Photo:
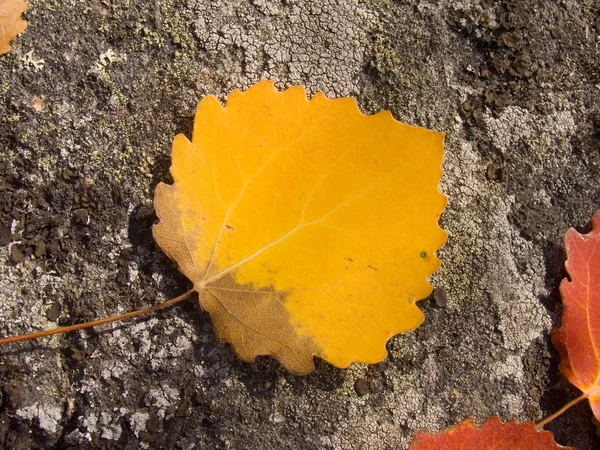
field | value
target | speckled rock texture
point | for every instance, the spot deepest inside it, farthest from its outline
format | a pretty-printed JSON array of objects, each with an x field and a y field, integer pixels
[{"x": 90, "y": 98}]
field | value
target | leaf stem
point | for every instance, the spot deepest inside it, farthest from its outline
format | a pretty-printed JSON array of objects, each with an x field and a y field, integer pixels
[
  {"x": 573, "y": 402},
  {"x": 94, "y": 323}
]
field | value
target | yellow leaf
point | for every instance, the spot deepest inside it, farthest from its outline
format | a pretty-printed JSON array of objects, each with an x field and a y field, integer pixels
[
  {"x": 11, "y": 23},
  {"x": 306, "y": 227}
]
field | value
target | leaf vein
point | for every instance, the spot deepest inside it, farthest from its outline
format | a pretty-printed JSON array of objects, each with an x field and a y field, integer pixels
[
  {"x": 207, "y": 281},
  {"x": 246, "y": 326}
]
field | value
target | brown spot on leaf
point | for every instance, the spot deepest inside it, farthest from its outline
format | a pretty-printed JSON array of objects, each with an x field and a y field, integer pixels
[{"x": 257, "y": 315}]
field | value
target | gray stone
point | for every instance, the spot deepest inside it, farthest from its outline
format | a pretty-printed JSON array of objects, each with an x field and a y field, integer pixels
[{"x": 516, "y": 87}]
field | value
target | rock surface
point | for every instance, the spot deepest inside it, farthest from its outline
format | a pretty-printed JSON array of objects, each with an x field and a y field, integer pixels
[{"x": 90, "y": 98}]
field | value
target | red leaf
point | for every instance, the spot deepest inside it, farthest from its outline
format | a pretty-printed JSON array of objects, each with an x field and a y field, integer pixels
[
  {"x": 491, "y": 435},
  {"x": 578, "y": 340}
]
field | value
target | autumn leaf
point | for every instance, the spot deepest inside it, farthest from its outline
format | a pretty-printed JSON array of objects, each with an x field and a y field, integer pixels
[
  {"x": 491, "y": 435},
  {"x": 11, "y": 23},
  {"x": 578, "y": 340},
  {"x": 306, "y": 227}
]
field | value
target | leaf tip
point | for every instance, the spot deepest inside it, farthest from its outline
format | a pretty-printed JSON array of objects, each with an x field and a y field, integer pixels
[{"x": 11, "y": 23}]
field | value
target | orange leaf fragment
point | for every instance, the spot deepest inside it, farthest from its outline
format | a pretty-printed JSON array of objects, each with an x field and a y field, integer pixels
[
  {"x": 307, "y": 227},
  {"x": 11, "y": 23},
  {"x": 578, "y": 339},
  {"x": 493, "y": 434}
]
